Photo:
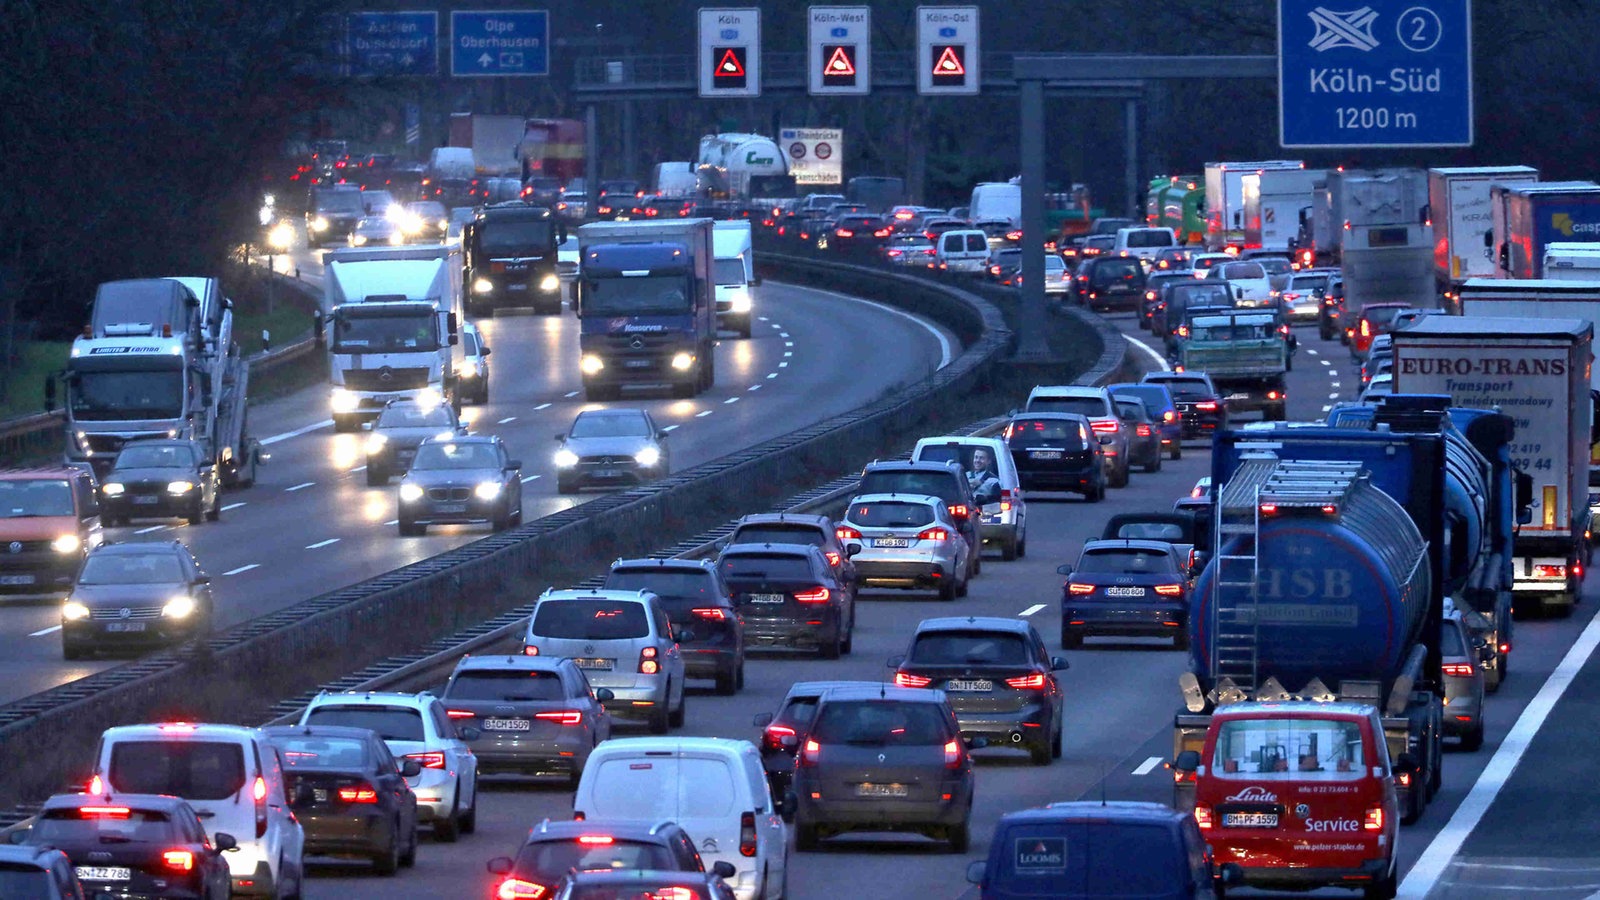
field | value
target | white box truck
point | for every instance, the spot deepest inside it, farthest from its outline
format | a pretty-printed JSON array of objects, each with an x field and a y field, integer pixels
[
  {"x": 1225, "y": 199},
  {"x": 1274, "y": 202},
  {"x": 1459, "y": 208},
  {"x": 734, "y": 269}
]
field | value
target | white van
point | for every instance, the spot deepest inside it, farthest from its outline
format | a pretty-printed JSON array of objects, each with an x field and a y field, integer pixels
[
  {"x": 233, "y": 778},
  {"x": 674, "y": 179},
  {"x": 1144, "y": 241},
  {"x": 996, "y": 200},
  {"x": 714, "y": 787},
  {"x": 962, "y": 250},
  {"x": 1005, "y": 514},
  {"x": 451, "y": 162},
  {"x": 734, "y": 270},
  {"x": 1572, "y": 261}
]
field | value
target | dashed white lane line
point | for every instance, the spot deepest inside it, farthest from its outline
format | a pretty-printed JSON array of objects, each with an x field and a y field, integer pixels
[
  {"x": 788, "y": 343},
  {"x": 242, "y": 569},
  {"x": 1325, "y": 362},
  {"x": 320, "y": 544},
  {"x": 506, "y": 419},
  {"x": 1335, "y": 384},
  {"x": 946, "y": 353},
  {"x": 1333, "y": 396},
  {"x": 392, "y": 522},
  {"x": 541, "y": 406},
  {"x": 295, "y": 433},
  {"x": 358, "y": 469},
  {"x": 783, "y": 365},
  {"x": 44, "y": 631},
  {"x": 703, "y": 413},
  {"x": 669, "y": 428},
  {"x": 527, "y": 478},
  {"x": 772, "y": 374},
  {"x": 761, "y": 318},
  {"x": 299, "y": 487},
  {"x": 150, "y": 529},
  {"x": 754, "y": 387},
  {"x": 1160, "y": 360},
  {"x": 1436, "y": 858},
  {"x": 1313, "y": 351},
  {"x": 570, "y": 394},
  {"x": 1037, "y": 607},
  {"x": 784, "y": 334},
  {"x": 730, "y": 400},
  {"x": 1327, "y": 408},
  {"x": 233, "y": 506},
  {"x": 1148, "y": 766}
]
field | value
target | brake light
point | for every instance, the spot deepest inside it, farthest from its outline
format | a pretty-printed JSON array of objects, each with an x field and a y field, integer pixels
[
  {"x": 561, "y": 716},
  {"x": 1077, "y": 589},
  {"x": 432, "y": 759},
  {"x": 110, "y": 812},
  {"x": 178, "y": 860},
  {"x": 846, "y": 533},
  {"x": 96, "y": 786},
  {"x": 952, "y": 754},
  {"x": 1504, "y": 648},
  {"x": 713, "y": 613},
  {"x": 1183, "y": 331},
  {"x": 178, "y": 728},
  {"x": 1013, "y": 235},
  {"x": 647, "y": 662},
  {"x": 1168, "y": 416},
  {"x": 460, "y": 713},
  {"x": 833, "y": 557},
  {"x": 959, "y": 510},
  {"x": 1458, "y": 670},
  {"x": 883, "y": 232},
  {"x": 1374, "y": 819},
  {"x": 1027, "y": 682},
  {"x": 1550, "y": 571},
  {"x": 1143, "y": 430},
  {"x": 596, "y": 840},
  {"x": 676, "y": 893},
  {"x": 1202, "y": 817},
  {"x": 1366, "y": 328},
  {"x": 747, "y": 834},
  {"x": 1274, "y": 395},
  {"x": 933, "y": 534},
  {"x": 530, "y": 651},
  {"x": 815, "y": 595},
  {"x": 360, "y": 793},
  {"x": 517, "y": 889},
  {"x": 259, "y": 791},
  {"x": 809, "y": 753},
  {"x": 1169, "y": 590},
  {"x": 775, "y": 734},
  {"x": 1206, "y": 406},
  {"x": 1268, "y": 509},
  {"x": 843, "y": 232},
  {"x": 908, "y": 680}
]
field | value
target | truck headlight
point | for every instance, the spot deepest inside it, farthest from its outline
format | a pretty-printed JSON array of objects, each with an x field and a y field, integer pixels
[
  {"x": 179, "y": 607},
  {"x": 741, "y": 301},
  {"x": 67, "y": 543},
  {"x": 467, "y": 372},
  {"x": 410, "y": 493},
  {"x": 319, "y": 224},
  {"x": 682, "y": 361},
  {"x": 376, "y": 442},
  {"x": 343, "y": 401},
  {"x": 647, "y": 457},
  {"x": 72, "y": 611},
  {"x": 591, "y": 364},
  {"x": 566, "y": 459},
  {"x": 487, "y": 490},
  {"x": 112, "y": 489},
  {"x": 428, "y": 397},
  {"x": 482, "y": 286},
  {"x": 179, "y": 487},
  {"x": 550, "y": 283}
]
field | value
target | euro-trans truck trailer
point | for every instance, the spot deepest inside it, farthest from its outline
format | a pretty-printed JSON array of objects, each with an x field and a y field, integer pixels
[
  {"x": 1320, "y": 587},
  {"x": 646, "y": 306},
  {"x": 1225, "y": 199},
  {"x": 1459, "y": 209},
  {"x": 1537, "y": 372}
]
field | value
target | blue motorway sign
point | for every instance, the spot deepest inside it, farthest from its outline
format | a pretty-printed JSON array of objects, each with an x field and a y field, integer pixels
[
  {"x": 1375, "y": 73},
  {"x": 392, "y": 43},
  {"x": 500, "y": 42}
]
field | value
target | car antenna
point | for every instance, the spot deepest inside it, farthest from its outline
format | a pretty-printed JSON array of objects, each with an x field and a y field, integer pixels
[{"x": 1103, "y": 780}]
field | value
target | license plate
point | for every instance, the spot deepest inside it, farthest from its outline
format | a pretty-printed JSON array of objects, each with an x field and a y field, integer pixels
[
  {"x": 1044, "y": 454},
  {"x": 881, "y": 790},
  {"x": 145, "y": 501},
  {"x": 973, "y": 685},
  {"x": 768, "y": 598},
  {"x": 891, "y": 542},
  {"x": 608, "y": 473},
  {"x": 506, "y": 724},
  {"x": 319, "y": 795},
  {"x": 603, "y": 665},
  {"x": 104, "y": 873},
  {"x": 636, "y": 363},
  {"x": 125, "y": 626},
  {"x": 1250, "y": 820},
  {"x": 450, "y": 508},
  {"x": 1124, "y": 592},
  {"x": 517, "y": 287},
  {"x": 16, "y": 579}
]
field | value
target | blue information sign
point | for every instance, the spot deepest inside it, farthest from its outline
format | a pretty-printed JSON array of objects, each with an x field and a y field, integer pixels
[
  {"x": 500, "y": 42},
  {"x": 1375, "y": 73},
  {"x": 392, "y": 43}
]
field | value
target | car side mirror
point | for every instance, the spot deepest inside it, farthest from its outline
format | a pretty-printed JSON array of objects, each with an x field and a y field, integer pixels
[
  {"x": 762, "y": 720},
  {"x": 1064, "y": 570},
  {"x": 513, "y": 464},
  {"x": 410, "y": 768},
  {"x": 561, "y": 437},
  {"x": 484, "y": 351},
  {"x": 896, "y": 662},
  {"x": 266, "y": 339},
  {"x": 1187, "y": 761},
  {"x": 468, "y": 733},
  {"x": 605, "y": 695},
  {"x": 662, "y": 435},
  {"x": 975, "y": 871},
  {"x": 500, "y": 865},
  {"x": 723, "y": 869},
  {"x": 224, "y": 842},
  {"x": 788, "y": 804},
  {"x": 1058, "y": 663},
  {"x": 852, "y": 549}
]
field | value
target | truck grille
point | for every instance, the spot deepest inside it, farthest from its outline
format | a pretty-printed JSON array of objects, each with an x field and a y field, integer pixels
[
  {"x": 653, "y": 342},
  {"x": 385, "y": 379}
]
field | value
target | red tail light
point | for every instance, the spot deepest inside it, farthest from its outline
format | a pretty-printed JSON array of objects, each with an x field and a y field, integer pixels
[
  {"x": 259, "y": 792},
  {"x": 1202, "y": 817},
  {"x": 96, "y": 786},
  {"x": 105, "y": 812},
  {"x": 1206, "y": 406},
  {"x": 561, "y": 716},
  {"x": 1549, "y": 571},
  {"x": 1143, "y": 430},
  {"x": 1169, "y": 416},
  {"x": 747, "y": 834},
  {"x": 843, "y": 232},
  {"x": 883, "y": 232},
  {"x": 1013, "y": 235},
  {"x": 846, "y": 533},
  {"x": 907, "y": 680},
  {"x": 1458, "y": 670},
  {"x": 1027, "y": 682},
  {"x": 530, "y": 651},
  {"x": 517, "y": 889},
  {"x": 460, "y": 713},
  {"x": 648, "y": 665},
  {"x": 713, "y": 613},
  {"x": 774, "y": 735},
  {"x": 432, "y": 759},
  {"x": 815, "y": 595},
  {"x": 596, "y": 840},
  {"x": 1373, "y": 821},
  {"x": 1077, "y": 589},
  {"x": 1104, "y": 426},
  {"x": 952, "y": 754},
  {"x": 1504, "y": 648},
  {"x": 959, "y": 510},
  {"x": 833, "y": 557},
  {"x": 1169, "y": 590},
  {"x": 933, "y": 534},
  {"x": 178, "y": 860},
  {"x": 1183, "y": 331},
  {"x": 809, "y": 754},
  {"x": 358, "y": 793},
  {"x": 1366, "y": 328}
]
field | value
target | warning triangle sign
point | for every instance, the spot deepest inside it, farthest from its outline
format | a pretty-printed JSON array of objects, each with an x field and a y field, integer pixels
[
  {"x": 949, "y": 63},
  {"x": 840, "y": 63},
  {"x": 730, "y": 65}
]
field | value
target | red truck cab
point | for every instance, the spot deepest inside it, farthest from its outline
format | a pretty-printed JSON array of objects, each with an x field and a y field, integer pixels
[{"x": 1297, "y": 795}]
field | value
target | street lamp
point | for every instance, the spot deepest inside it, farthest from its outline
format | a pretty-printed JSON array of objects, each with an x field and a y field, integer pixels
[{"x": 279, "y": 240}]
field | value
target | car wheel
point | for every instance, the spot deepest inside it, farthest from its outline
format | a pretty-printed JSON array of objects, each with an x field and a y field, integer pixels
[
  {"x": 196, "y": 515},
  {"x": 565, "y": 487},
  {"x": 744, "y": 331},
  {"x": 1022, "y": 546},
  {"x": 977, "y": 562},
  {"x": 1008, "y": 550},
  {"x": 728, "y": 682},
  {"x": 408, "y": 858},
  {"x": 676, "y": 718},
  {"x": 1071, "y": 640},
  {"x": 660, "y": 720},
  {"x": 387, "y": 862},
  {"x": 947, "y": 590},
  {"x": 469, "y": 819},
  {"x": 215, "y": 512},
  {"x": 1122, "y": 477},
  {"x": 1180, "y": 641},
  {"x": 1384, "y": 888},
  {"x": 501, "y": 522},
  {"x": 1041, "y": 753},
  {"x": 964, "y": 588},
  {"x": 805, "y": 837},
  {"x": 960, "y": 837},
  {"x": 1055, "y": 742},
  {"x": 833, "y": 648},
  {"x": 447, "y": 830},
  {"x": 848, "y": 645},
  {"x": 1473, "y": 740},
  {"x": 1177, "y": 450},
  {"x": 1098, "y": 493},
  {"x": 1155, "y": 463},
  {"x": 376, "y": 477},
  {"x": 72, "y": 651}
]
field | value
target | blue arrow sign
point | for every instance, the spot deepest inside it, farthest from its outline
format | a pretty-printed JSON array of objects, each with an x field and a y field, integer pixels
[
  {"x": 500, "y": 42},
  {"x": 1375, "y": 73},
  {"x": 392, "y": 43}
]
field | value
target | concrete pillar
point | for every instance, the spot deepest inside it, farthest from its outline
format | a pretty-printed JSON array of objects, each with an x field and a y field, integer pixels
[{"x": 1032, "y": 344}]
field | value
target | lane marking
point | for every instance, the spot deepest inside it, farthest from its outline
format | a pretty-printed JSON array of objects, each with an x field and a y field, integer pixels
[
  {"x": 392, "y": 522},
  {"x": 358, "y": 469},
  {"x": 233, "y": 506},
  {"x": 242, "y": 569},
  {"x": 669, "y": 428},
  {"x": 784, "y": 334},
  {"x": 1327, "y": 408},
  {"x": 945, "y": 352},
  {"x": 150, "y": 529},
  {"x": 788, "y": 353},
  {"x": 1313, "y": 351},
  {"x": 571, "y": 394},
  {"x": 44, "y": 631},
  {"x": 1037, "y": 607},
  {"x": 541, "y": 406},
  {"x": 730, "y": 400},
  {"x": 1436, "y": 858},
  {"x": 703, "y": 413},
  {"x": 1160, "y": 360},
  {"x": 528, "y": 478},
  {"x": 772, "y": 374},
  {"x": 295, "y": 433},
  {"x": 754, "y": 387},
  {"x": 1148, "y": 766},
  {"x": 1335, "y": 384},
  {"x": 788, "y": 343},
  {"x": 299, "y": 487},
  {"x": 321, "y": 544},
  {"x": 1324, "y": 362},
  {"x": 506, "y": 419},
  {"x": 761, "y": 318},
  {"x": 783, "y": 365}
]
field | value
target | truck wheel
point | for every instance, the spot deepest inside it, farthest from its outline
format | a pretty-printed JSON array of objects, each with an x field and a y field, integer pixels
[
  {"x": 246, "y": 476},
  {"x": 1180, "y": 641}
]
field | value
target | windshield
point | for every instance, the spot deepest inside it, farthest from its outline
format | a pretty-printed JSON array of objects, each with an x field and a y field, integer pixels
[
  {"x": 1201, "y": 295},
  {"x": 71, "y": 826},
  {"x": 932, "y": 484},
  {"x": 385, "y": 334},
  {"x": 167, "y": 457},
  {"x": 1126, "y": 562},
  {"x": 1236, "y": 271},
  {"x": 1112, "y": 271},
  {"x": 506, "y": 686},
  {"x": 1450, "y": 640},
  {"x": 1380, "y": 315},
  {"x": 1151, "y": 531},
  {"x": 99, "y": 396},
  {"x": 1273, "y": 265},
  {"x": 1152, "y": 396},
  {"x": 456, "y": 456},
  {"x": 392, "y": 723},
  {"x": 25, "y": 498},
  {"x": 306, "y": 751},
  {"x": 879, "y": 723},
  {"x": 345, "y": 203},
  {"x": 766, "y": 568},
  {"x": 662, "y": 295},
  {"x": 1289, "y": 749},
  {"x": 129, "y": 568},
  {"x": 591, "y": 620},
  {"x": 1150, "y": 238},
  {"x": 890, "y": 515},
  {"x": 609, "y": 425},
  {"x": 552, "y": 859},
  {"x": 416, "y": 417},
  {"x": 195, "y": 770},
  {"x": 1309, "y": 283},
  {"x": 729, "y": 271},
  {"x": 957, "y": 648},
  {"x": 697, "y": 586},
  {"x": 501, "y": 238},
  {"x": 774, "y": 533},
  {"x": 1189, "y": 390}
]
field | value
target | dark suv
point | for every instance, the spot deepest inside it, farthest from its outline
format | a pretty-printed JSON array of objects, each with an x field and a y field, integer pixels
[
  {"x": 783, "y": 731},
  {"x": 704, "y": 619},
  {"x": 795, "y": 528},
  {"x": 1109, "y": 282},
  {"x": 1199, "y": 404},
  {"x": 944, "y": 480},
  {"x": 1057, "y": 451},
  {"x": 554, "y": 848},
  {"x": 789, "y": 596}
]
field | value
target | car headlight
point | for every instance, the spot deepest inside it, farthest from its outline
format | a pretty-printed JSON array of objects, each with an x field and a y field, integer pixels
[
  {"x": 428, "y": 397},
  {"x": 647, "y": 457},
  {"x": 443, "y": 224},
  {"x": 487, "y": 490},
  {"x": 343, "y": 401},
  {"x": 482, "y": 286},
  {"x": 591, "y": 364},
  {"x": 741, "y": 301},
  {"x": 399, "y": 237},
  {"x": 467, "y": 372},
  {"x": 112, "y": 489},
  {"x": 682, "y": 361},
  {"x": 410, "y": 493},
  {"x": 67, "y": 543},
  {"x": 550, "y": 283},
  {"x": 179, "y": 487},
  {"x": 376, "y": 443},
  {"x": 566, "y": 459},
  {"x": 358, "y": 239},
  {"x": 72, "y": 611},
  {"x": 319, "y": 224},
  {"x": 179, "y": 607}
]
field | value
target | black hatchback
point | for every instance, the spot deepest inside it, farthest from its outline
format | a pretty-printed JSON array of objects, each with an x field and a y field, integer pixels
[
  {"x": 708, "y": 627},
  {"x": 1057, "y": 452},
  {"x": 1200, "y": 406},
  {"x": 1125, "y": 588},
  {"x": 349, "y": 793},
  {"x": 135, "y": 845},
  {"x": 789, "y": 596}
]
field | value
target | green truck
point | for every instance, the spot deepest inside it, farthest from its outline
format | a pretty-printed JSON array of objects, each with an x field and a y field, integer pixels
[{"x": 1245, "y": 354}]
